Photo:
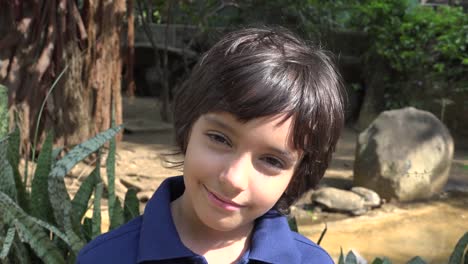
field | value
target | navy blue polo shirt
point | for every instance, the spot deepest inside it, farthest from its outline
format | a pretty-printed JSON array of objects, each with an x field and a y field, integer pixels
[{"x": 153, "y": 238}]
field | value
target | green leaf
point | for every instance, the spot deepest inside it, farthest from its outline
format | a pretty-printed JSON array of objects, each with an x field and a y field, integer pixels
[
  {"x": 57, "y": 190},
  {"x": 39, "y": 242},
  {"x": 96, "y": 226},
  {"x": 14, "y": 159},
  {"x": 416, "y": 260},
  {"x": 55, "y": 153},
  {"x": 28, "y": 231},
  {"x": 460, "y": 250},
  {"x": 132, "y": 205},
  {"x": 81, "y": 200},
  {"x": 110, "y": 169},
  {"x": 7, "y": 243},
  {"x": 351, "y": 258},
  {"x": 292, "y": 224},
  {"x": 381, "y": 261},
  {"x": 341, "y": 259},
  {"x": 42, "y": 208},
  {"x": 7, "y": 179},
  {"x": 87, "y": 228},
  {"x": 3, "y": 111},
  {"x": 20, "y": 252},
  {"x": 322, "y": 235},
  {"x": 51, "y": 228},
  {"x": 76, "y": 243},
  {"x": 117, "y": 218}
]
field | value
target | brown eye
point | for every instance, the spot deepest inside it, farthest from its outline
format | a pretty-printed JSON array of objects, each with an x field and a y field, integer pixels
[
  {"x": 219, "y": 139},
  {"x": 273, "y": 162}
]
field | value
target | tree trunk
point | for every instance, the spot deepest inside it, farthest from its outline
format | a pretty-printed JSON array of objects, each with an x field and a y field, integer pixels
[
  {"x": 130, "y": 58},
  {"x": 51, "y": 36},
  {"x": 375, "y": 79}
]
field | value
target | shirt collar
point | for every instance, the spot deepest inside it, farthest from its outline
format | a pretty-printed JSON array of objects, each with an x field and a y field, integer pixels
[
  {"x": 272, "y": 240},
  {"x": 158, "y": 235}
]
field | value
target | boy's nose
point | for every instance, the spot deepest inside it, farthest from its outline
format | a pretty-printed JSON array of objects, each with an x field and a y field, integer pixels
[{"x": 235, "y": 176}]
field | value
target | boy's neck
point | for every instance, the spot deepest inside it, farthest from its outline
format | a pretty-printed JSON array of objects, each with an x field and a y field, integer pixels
[{"x": 204, "y": 240}]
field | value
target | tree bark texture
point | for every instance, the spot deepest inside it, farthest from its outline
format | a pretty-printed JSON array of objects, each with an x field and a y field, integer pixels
[
  {"x": 40, "y": 39},
  {"x": 376, "y": 73},
  {"x": 130, "y": 59}
]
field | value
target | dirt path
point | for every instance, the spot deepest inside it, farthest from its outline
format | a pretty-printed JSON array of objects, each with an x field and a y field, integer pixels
[{"x": 398, "y": 231}]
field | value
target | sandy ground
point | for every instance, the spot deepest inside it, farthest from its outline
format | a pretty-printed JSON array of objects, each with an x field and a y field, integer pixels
[{"x": 400, "y": 231}]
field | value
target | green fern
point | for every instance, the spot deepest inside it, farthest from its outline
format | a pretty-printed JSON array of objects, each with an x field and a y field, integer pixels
[
  {"x": 57, "y": 190},
  {"x": 42, "y": 208}
]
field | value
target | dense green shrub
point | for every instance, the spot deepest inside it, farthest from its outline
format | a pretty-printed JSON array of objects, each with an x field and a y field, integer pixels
[{"x": 426, "y": 47}]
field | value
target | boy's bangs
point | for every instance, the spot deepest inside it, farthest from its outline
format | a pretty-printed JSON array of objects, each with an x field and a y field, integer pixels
[{"x": 259, "y": 92}]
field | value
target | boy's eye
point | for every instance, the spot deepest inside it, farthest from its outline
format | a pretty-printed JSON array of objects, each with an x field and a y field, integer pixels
[
  {"x": 274, "y": 162},
  {"x": 219, "y": 138}
]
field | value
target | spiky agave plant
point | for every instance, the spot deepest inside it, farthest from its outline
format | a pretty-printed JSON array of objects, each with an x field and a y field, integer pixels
[{"x": 47, "y": 220}]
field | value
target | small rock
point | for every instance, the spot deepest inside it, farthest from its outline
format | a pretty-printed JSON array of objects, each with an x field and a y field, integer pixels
[
  {"x": 371, "y": 198},
  {"x": 339, "y": 200}
]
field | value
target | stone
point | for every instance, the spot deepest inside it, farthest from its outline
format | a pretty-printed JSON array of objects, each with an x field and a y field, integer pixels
[
  {"x": 339, "y": 200},
  {"x": 371, "y": 198},
  {"x": 404, "y": 155}
]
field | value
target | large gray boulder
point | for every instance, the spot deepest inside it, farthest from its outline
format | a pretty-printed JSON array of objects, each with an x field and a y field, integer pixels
[{"x": 404, "y": 154}]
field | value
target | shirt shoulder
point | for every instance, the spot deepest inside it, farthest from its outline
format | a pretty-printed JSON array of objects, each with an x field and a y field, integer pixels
[
  {"x": 117, "y": 246},
  {"x": 311, "y": 252}
]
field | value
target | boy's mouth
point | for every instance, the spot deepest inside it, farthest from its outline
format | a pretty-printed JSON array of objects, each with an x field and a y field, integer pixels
[{"x": 225, "y": 203}]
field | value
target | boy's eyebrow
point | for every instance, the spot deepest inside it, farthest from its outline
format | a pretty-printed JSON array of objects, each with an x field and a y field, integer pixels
[
  {"x": 288, "y": 155},
  {"x": 218, "y": 122},
  {"x": 285, "y": 153}
]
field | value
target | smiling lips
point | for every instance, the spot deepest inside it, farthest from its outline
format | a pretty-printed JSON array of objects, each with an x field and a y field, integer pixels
[{"x": 221, "y": 202}]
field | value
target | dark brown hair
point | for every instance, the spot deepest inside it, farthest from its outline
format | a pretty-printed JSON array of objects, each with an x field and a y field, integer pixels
[{"x": 258, "y": 72}]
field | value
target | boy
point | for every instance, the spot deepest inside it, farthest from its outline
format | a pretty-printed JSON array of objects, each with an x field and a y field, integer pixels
[{"x": 257, "y": 124}]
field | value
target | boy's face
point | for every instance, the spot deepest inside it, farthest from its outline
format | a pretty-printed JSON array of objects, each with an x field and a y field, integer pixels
[{"x": 235, "y": 172}]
